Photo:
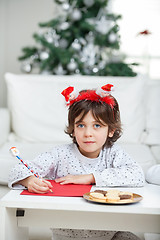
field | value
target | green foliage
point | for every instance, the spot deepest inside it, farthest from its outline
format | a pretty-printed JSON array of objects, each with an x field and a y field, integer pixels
[
  {"x": 52, "y": 24},
  {"x": 119, "y": 69},
  {"x": 28, "y": 52}
]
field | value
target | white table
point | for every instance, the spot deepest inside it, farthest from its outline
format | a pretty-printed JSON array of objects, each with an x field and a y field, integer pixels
[{"x": 77, "y": 213}]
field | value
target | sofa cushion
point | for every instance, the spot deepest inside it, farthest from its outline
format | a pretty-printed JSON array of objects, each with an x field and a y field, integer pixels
[
  {"x": 156, "y": 152},
  {"x": 153, "y": 114},
  {"x": 4, "y": 125},
  {"x": 38, "y": 109},
  {"x": 141, "y": 153}
]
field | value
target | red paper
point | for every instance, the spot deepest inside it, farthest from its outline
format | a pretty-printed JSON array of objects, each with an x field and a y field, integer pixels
[{"x": 67, "y": 190}]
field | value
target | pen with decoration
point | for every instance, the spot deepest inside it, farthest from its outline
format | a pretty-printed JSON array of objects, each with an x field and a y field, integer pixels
[{"x": 15, "y": 153}]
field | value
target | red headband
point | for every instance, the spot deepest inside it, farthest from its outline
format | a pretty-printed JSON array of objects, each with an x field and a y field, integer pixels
[{"x": 99, "y": 95}]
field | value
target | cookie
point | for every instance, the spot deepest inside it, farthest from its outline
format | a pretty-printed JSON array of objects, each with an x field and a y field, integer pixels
[
  {"x": 114, "y": 192},
  {"x": 125, "y": 195},
  {"x": 101, "y": 191},
  {"x": 112, "y": 195},
  {"x": 97, "y": 195},
  {"x": 111, "y": 198}
]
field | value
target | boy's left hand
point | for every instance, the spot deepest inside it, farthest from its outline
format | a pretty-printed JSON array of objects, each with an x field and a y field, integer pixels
[{"x": 76, "y": 179}]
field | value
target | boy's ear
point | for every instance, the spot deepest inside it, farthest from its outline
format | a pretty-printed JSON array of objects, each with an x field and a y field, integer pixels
[{"x": 111, "y": 133}]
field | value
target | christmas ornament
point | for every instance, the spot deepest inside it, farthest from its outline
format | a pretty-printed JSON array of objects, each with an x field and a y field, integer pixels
[
  {"x": 82, "y": 41},
  {"x": 103, "y": 25},
  {"x": 76, "y": 14},
  {"x": 91, "y": 21},
  {"x": 112, "y": 38},
  {"x": 59, "y": 70},
  {"x": 77, "y": 71},
  {"x": 72, "y": 65},
  {"x": 83, "y": 59},
  {"x": 56, "y": 37},
  {"x": 26, "y": 67},
  {"x": 64, "y": 26},
  {"x": 90, "y": 37},
  {"x": 76, "y": 45},
  {"x": 49, "y": 38},
  {"x": 52, "y": 37},
  {"x": 33, "y": 57},
  {"x": 88, "y": 3},
  {"x": 65, "y": 6},
  {"x": 88, "y": 54},
  {"x": 63, "y": 43},
  {"x": 44, "y": 55},
  {"x": 95, "y": 70}
]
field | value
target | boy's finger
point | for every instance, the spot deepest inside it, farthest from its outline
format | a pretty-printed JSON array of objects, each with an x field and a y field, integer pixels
[
  {"x": 58, "y": 179},
  {"x": 41, "y": 189},
  {"x": 62, "y": 179},
  {"x": 67, "y": 181},
  {"x": 40, "y": 182},
  {"x": 48, "y": 183},
  {"x": 63, "y": 183},
  {"x": 35, "y": 190}
]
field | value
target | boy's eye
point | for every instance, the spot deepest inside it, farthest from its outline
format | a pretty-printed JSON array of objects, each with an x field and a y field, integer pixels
[
  {"x": 97, "y": 125},
  {"x": 80, "y": 125}
]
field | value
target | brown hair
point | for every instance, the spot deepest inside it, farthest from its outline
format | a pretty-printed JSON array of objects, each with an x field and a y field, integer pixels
[{"x": 102, "y": 112}]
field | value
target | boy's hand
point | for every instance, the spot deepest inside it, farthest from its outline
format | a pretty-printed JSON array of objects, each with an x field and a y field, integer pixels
[
  {"x": 36, "y": 185},
  {"x": 76, "y": 179}
]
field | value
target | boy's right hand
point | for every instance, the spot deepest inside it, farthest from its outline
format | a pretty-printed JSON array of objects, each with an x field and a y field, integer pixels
[{"x": 36, "y": 185}]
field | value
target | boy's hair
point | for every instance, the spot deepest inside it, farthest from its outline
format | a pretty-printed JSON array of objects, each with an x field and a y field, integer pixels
[{"x": 102, "y": 112}]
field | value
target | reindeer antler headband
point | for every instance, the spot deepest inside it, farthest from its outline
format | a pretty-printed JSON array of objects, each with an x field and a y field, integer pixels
[{"x": 102, "y": 94}]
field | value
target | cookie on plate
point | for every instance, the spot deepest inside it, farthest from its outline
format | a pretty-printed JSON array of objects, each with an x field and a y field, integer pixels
[
  {"x": 125, "y": 195},
  {"x": 98, "y": 195},
  {"x": 113, "y": 195}
]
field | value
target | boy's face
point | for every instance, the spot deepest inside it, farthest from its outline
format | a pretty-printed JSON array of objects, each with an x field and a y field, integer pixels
[{"x": 90, "y": 135}]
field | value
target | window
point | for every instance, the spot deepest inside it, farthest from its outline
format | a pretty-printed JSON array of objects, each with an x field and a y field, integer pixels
[{"x": 138, "y": 16}]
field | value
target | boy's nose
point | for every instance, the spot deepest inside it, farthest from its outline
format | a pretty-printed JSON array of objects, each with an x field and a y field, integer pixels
[{"x": 88, "y": 132}]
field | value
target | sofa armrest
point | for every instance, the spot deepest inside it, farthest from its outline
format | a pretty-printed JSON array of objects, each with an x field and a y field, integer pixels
[{"x": 4, "y": 125}]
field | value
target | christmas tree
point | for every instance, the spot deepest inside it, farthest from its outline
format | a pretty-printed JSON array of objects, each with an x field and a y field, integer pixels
[{"x": 83, "y": 40}]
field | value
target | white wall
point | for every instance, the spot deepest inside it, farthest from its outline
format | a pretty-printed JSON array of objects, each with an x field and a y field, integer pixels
[{"x": 18, "y": 21}]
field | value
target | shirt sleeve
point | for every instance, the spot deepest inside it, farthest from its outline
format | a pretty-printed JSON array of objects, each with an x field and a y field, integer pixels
[
  {"x": 121, "y": 171},
  {"x": 44, "y": 165},
  {"x": 153, "y": 174}
]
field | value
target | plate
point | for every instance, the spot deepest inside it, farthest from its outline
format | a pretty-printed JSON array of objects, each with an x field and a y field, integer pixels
[{"x": 136, "y": 198}]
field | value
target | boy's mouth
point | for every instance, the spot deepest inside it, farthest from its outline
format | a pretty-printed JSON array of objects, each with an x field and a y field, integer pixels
[{"x": 89, "y": 142}]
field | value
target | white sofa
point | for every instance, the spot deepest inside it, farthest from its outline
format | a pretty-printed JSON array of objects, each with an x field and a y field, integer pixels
[{"x": 36, "y": 116}]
